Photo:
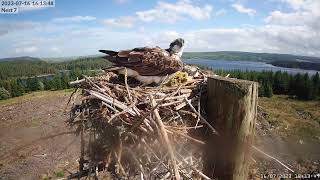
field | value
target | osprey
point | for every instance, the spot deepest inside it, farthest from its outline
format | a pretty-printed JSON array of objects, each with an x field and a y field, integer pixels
[{"x": 148, "y": 65}]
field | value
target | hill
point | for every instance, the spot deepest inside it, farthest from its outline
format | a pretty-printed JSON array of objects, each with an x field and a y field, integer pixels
[
  {"x": 28, "y": 66},
  {"x": 297, "y": 64},
  {"x": 22, "y": 58},
  {"x": 248, "y": 56}
]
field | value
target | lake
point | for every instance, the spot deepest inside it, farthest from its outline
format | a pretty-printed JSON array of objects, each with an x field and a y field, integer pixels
[{"x": 244, "y": 66}]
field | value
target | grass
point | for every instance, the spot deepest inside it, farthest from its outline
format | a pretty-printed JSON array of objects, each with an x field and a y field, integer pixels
[
  {"x": 59, "y": 174},
  {"x": 37, "y": 94},
  {"x": 293, "y": 118},
  {"x": 56, "y": 175},
  {"x": 290, "y": 117}
]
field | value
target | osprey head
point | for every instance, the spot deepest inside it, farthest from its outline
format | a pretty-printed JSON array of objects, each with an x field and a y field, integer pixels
[{"x": 176, "y": 47}]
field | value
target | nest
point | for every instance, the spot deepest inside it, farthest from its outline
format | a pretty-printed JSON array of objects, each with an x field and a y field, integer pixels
[{"x": 140, "y": 132}]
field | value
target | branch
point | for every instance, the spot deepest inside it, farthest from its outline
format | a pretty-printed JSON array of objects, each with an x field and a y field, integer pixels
[
  {"x": 165, "y": 139},
  {"x": 269, "y": 156}
]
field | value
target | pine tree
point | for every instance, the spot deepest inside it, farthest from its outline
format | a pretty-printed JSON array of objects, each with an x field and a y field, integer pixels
[
  {"x": 65, "y": 81},
  {"x": 316, "y": 85},
  {"x": 40, "y": 85},
  {"x": 308, "y": 88},
  {"x": 280, "y": 82},
  {"x": 261, "y": 92},
  {"x": 268, "y": 90},
  {"x": 16, "y": 89},
  {"x": 4, "y": 94},
  {"x": 57, "y": 83},
  {"x": 7, "y": 86}
]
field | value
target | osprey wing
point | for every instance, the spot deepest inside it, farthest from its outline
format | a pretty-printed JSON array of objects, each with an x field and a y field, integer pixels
[{"x": 146, "y": 61}]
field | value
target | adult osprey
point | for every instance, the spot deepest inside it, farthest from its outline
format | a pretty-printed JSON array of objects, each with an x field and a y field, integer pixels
[{"x": 148, "y": 65}]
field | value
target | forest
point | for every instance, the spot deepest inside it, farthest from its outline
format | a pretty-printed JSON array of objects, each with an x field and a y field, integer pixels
[
  {"x": 22, "y": 68},
  {"x": 300, "y": 86},
  {"x": 18, "y": 77},
  {"x": 298, "y": 64}
]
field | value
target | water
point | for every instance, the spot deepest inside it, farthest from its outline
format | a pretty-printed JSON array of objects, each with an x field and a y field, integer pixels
[{"x": 244, "y": 66}]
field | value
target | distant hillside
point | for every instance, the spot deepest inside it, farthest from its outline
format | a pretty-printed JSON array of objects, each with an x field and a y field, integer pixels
[
  {"x": 71, "y": 58},
  {"x": 297, "y": 64},
  {"x": 22, "y": 58},
  {"x": 28, "y": 67},
  {"x": 248, "y": 56}
]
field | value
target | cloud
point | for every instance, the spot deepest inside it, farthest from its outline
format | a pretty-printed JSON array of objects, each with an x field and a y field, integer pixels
[
  {"x": 164, "y": 12},
  {"x": 121, "y": 1},
  {"x": 122, "y": 22},
  {"x": 305, "y": 13},
  {"x": 221, "y": 12},
  {"x": 12, "y": 26},
  {"x": 270, "y": 38},
  {"x": 74, "y": 19},
  {"x": 26, "y": 50},
  {"x": 86, "y": 40},
  {"x": 294, "y": 31},
  {"x": 172, "y": 12},
  {"x": 55, "y": 49},
  {"x": 312, "y": 6},
  {"x": 241, "y": 9}
]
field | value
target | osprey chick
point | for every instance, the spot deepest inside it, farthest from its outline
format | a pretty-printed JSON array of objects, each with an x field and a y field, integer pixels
[{"x": 148, "y": 65}]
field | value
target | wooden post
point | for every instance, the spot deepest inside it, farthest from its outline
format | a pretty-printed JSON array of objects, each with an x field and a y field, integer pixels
[{"x": 231, "y": 108}]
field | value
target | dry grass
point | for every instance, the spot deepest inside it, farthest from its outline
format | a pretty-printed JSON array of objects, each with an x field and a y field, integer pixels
[
  {"x": 294, "y": 118},
  {"x": 37, "y": 94}
]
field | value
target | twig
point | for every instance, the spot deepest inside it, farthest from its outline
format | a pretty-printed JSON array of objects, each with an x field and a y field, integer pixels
[
  {"x": 110, "y": 101},
  {"x": 193, "y": 168},
  {"x": 165, "y": 139},
  {"x": 186, "y": 136},
  {"x": 199, "y": 106},
  {"x": 122, "y": 112},
  {"x": 170, "y": 103},
  {"x": 184, "y": 128},
  {"x": 183, "y": 104},
  {"x": 175, "y": 97},
  {"x": 260, "y": 151},
  {"x": 76, "y": 82},
  {"x": 153, "y": 108},
  {"x": 136, "y": 161},
  {"x": 126, "y": 83},
  {"x": 119, "y": 164},
  {"x": 112, "y": 108},
  {"x": 204, "y": 120}
]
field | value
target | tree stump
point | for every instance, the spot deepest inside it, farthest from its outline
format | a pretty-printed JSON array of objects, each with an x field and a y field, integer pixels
[{"x": 232, "y": 109}]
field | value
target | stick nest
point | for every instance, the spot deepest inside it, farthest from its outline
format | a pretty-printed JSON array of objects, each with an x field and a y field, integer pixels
[{"x": 140, "y": 132}]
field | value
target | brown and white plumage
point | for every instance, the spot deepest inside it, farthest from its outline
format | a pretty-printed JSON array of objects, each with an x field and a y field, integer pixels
[{"x": 148, "y": 65}]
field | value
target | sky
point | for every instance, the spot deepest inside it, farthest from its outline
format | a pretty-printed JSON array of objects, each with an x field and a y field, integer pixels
[{"x": 82, "y": 27}]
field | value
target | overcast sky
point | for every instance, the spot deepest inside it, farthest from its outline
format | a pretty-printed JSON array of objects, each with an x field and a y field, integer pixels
[{"x": 79, "y": 27}]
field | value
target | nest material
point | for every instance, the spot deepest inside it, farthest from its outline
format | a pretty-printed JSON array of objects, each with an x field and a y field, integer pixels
[{"x": 141, "y": 132}]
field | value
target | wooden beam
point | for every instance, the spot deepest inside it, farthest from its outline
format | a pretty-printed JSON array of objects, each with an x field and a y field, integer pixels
[{"x": 232, "y": 109}]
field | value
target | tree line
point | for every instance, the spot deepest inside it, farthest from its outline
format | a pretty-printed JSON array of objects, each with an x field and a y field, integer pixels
[
  {"x": 19, "y": 86},
  {"x": 300, "y": 86},
  {"x": 17, "y": 78},
  {"x": 29, "y": 68},
  {"x": 20, "y": 77}
]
